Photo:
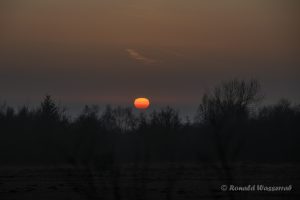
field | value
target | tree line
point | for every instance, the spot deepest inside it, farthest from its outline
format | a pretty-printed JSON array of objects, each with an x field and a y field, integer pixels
[{"x": 229, "y": 126}]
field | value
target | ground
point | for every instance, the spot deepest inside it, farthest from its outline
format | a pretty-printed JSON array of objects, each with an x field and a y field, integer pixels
[{"x": 157, "y": 181}]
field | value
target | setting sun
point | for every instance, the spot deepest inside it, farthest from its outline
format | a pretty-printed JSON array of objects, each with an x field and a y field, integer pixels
[{"x": 141, "y": 103}]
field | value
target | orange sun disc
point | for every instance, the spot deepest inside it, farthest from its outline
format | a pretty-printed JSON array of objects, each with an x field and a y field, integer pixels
[{"x": 141, "y": 103}]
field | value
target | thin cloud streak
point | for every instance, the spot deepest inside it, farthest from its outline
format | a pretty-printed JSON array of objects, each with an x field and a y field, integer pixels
[{"x": 139, "y": 57}]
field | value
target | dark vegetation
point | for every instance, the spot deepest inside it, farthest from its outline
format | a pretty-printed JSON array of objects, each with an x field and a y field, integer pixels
[{"x": 229, "y": 127}]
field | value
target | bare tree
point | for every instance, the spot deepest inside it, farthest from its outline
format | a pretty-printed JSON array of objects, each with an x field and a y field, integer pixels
[
  {"x": 125, "y": 119},
  {"x": 167, "y": 118},
  {"x": 225, "y": 110},
  {"x": 229, "y": 101}
]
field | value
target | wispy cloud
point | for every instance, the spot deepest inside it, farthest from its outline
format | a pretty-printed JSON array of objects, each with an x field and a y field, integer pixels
[{"x": 139, "y": 57}]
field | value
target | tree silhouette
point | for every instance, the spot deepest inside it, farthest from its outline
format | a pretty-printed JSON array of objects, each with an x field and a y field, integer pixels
[
  {"x": 229, "y": 101},
  {"x": 167, "y": 118},
  {"x": 49, "y": 112},
  {"x": 280, "y": 112},
  {"x": 226, "y": 111}
]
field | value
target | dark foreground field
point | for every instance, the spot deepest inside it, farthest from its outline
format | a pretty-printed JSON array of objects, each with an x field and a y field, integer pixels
[{"x": 147, "y": 181}]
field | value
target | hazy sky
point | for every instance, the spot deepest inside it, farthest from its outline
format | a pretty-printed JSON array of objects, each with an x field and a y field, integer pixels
[{"x": 111, "y": 51}]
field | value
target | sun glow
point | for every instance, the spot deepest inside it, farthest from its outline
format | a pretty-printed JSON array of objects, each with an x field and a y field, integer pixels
[{"x": 141, "y": 103}]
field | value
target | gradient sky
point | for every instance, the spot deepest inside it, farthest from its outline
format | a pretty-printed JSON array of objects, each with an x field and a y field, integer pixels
[{"x": 172, "y": 51}]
